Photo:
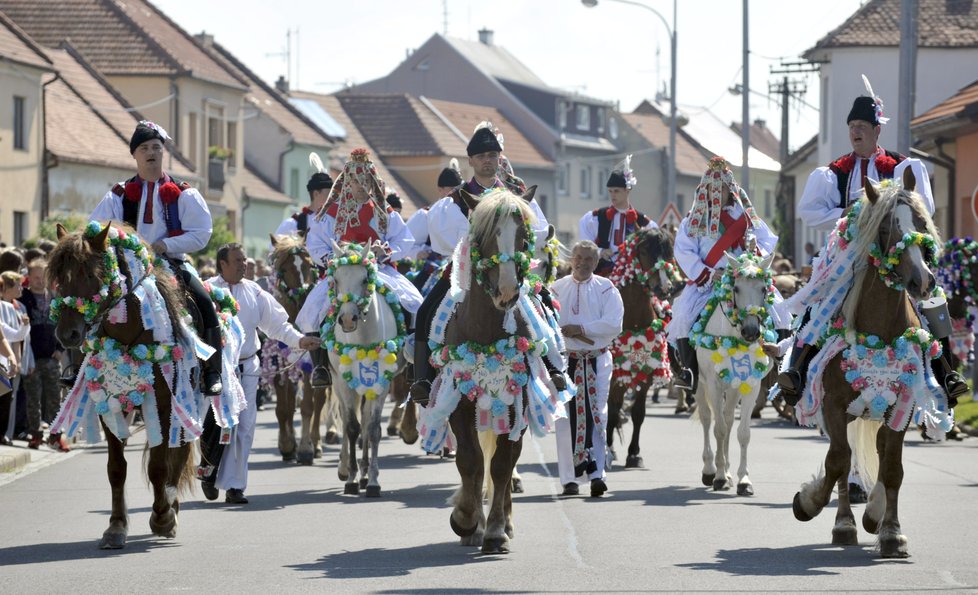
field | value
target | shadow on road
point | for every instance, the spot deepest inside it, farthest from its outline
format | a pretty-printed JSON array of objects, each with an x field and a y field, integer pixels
[
  {"x": 379, "y": 563},
  {"x": 802, "y": 560},
  {"x": 56, "y": 552}
]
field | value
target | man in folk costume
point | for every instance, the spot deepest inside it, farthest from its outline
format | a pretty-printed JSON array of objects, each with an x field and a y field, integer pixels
[
  {"x": 449, "y": 179},
  {"x": 356, "y": 211},
  {"x": 590, "y": 318},
  {"x": 318, "y": 188},
  {"x": 609, "y": 226},
  {"x": 174, "y": 219},
  {"x": 258, "y": 310},
  {"x": 721, "y": 220},
  {"x": 448, "y": 224},
  {"x": 829, "y": 192}
]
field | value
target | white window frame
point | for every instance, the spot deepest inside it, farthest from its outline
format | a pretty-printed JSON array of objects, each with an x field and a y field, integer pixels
[
  {"x": 563, "y": 179},
  {"x": 585, "y": 182},
  {"x": 582, "y": 116}
]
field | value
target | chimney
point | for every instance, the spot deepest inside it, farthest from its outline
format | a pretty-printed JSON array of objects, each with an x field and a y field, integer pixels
[
  {"x": 282, "y": 85},
  {"x": 206, "y": 39},
  {"x": 485, "y": 36}
]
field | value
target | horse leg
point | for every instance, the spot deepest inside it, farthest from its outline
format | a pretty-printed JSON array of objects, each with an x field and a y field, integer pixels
[
  {"x": 163, "y": 519},
  {"x": 318, "y": 402},
  {"x": 372, "y": 433},
  {"x": 284, "y": 413},
  {"x": 496, "y": 540},
  {"x": 331, "y": 404},
  {"x": 725, "y": 409},
  {"x": 616, "y": 399},
  {"x": 307, "y": 451},
  {"x": 892, "y": 543},
  {"x": 744, "y": 485},
  {"x": 876, "y": 506},
  {"x": 115, "y": 536},
  {"x": 634, "y": 460},
  {"x": 398, "y": 390},
  {"x": 408, "y": 429},
  {"x": 468, "y": 520},
  {"x": 705, "y": 414},
  {"x": 815, "y": 494}
]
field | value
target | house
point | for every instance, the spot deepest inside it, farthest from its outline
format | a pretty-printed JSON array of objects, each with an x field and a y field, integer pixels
[
  {"x": 949, "y": 133},
  {"x": 24, "y": 69}
]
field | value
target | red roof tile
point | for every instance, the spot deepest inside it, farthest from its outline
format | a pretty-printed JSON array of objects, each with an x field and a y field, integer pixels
[
  {"x": 398, "y": 125},
  {"x": 950, "y": 107},
  {"x": 16, "y": 46},
  {"x": 689, "y": 160}
]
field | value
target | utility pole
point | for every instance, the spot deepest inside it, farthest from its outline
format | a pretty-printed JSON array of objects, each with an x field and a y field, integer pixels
[
  {"x": 908, "y": 72},
  {"x": 745, "y": 117}
]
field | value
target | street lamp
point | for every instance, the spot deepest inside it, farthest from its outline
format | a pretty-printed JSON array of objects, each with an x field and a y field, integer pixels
[{"x": 671, "y": 174}]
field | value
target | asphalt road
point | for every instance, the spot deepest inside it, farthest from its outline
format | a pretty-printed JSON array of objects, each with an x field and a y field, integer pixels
[{"x": 658, "y": 529}]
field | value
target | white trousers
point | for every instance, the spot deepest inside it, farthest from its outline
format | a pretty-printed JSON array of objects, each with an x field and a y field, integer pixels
[
  {"x": 233, "y": 472},
  {"x": 565, "y": 448}
]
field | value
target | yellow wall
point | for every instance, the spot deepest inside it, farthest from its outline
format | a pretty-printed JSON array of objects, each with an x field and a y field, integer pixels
[{"x": 20, "y": 170}]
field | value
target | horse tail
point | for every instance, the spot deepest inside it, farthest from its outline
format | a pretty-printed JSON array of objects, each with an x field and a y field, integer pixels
[
  {"x": 487, "y": 441},
  {"x": 181, "y": 458},
  {"x": 862, "y": 440}
]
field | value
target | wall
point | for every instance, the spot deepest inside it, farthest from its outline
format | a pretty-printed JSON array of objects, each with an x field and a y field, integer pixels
[
  {"x": 20, "y": 170},
  {"x": 966, "y": 182},
  {"x": 260, "y": 219},
  {"x": 264, "y": 143},
  {"x": 78, "y": 188}
]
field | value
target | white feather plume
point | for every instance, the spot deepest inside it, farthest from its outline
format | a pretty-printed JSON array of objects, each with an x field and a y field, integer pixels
[
  {"x": 453, "y": 164},
  {"x": 316, "y": 163},
  {"x": 482, "y": 124},
  {"x": 869, "y": 88}
]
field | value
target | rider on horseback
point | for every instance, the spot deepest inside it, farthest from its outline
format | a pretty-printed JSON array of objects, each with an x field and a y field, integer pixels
[
  {"x": 448, "y": 224},
  {"x": 173, "y": 218},
  {"x": 721, "y": 219},
  {"x": 318, "y": 186},
  {"x": 356, "y": 211},
  {"x": 829, "y": 193}
]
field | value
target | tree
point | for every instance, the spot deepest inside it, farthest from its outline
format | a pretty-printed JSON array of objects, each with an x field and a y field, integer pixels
[
  {"x": 220, "y": 235},
  {"x": 48, "y": 229}
]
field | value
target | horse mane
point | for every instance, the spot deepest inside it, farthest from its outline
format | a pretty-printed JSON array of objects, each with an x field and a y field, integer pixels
[
  {"x": 284, "y": 245},
  {"x": 484, "y": 218},
  {"x": 868, "y": 225},
  {"x": 656, "y": 238}
]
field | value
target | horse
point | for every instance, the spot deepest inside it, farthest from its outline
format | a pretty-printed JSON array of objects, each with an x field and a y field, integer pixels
[
  {"x": 732, "y": 363},
  {"x": 878, "y": 328},
  {"x": 492, "y": 384},
  {"x": 295, "y": 274},
  {"x": 137, "y": 354},
  {"x": 364, "y": 334},
  {"x": 646, "y": 277},
  {"x": 957, "y": 268}
]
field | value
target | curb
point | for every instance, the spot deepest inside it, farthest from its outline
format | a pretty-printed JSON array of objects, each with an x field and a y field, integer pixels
[{"x": 13, "y": 460}]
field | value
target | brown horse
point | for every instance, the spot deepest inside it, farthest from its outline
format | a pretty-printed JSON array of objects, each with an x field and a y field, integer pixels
[
  {"x": 295, "y": 275},
  {"x": 641, "y": 292},
  {"x": 80, "y": 266},
  {"x": 886, "y": 311}
]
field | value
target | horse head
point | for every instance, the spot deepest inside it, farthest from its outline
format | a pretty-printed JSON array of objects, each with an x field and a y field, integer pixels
[
  {"x": 957, "y": 273},
  {"x": 905, "y": 235},
  {"x": 750, "y": 294},
  {"x": 354, "y": 277},
  {"x": 545, "y": 256},
  {"x": 77, "y": 269},
  {"x": 655, "y": 251},
  {"x": 501, "y": 242},
  {"x": 295, "y": 271}
]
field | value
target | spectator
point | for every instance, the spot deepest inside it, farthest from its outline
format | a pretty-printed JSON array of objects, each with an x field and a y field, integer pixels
[
  {"x": 16, "y": 330},
  {"x": 11, "y": 260}
]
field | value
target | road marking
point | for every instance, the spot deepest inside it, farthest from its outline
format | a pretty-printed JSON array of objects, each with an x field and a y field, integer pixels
[{"x": 568, "y": 526}]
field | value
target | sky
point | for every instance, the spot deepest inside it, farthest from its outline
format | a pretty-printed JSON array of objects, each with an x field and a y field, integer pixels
[{"x": 612, "y": 51}]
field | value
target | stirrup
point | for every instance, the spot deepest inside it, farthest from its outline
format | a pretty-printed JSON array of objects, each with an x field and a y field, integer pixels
[
  {"x": 68, "y": 377},
  {"x": 211, "y": 380},
  {"x": 791, "y": 384},
  {"x": 684, "y": 379},
  {"x": 321, "y": 378},
  {"x": 420, "y": 392},
  {"x": 955, "y": 387}
]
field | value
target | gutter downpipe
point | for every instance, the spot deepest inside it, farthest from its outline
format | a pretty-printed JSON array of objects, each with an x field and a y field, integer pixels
[{"x": 45, "y": 186}]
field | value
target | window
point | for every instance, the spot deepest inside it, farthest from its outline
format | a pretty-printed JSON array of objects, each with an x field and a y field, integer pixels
[
  {"x": 215, "y": 132},
  {"x": 768, "y": 201},
  {"x": 542, "y": 201},
  {"x": 20, "y": 126},
  {"x": 602, "y": 116},
  {"x": 583, "y": 117},
  {"x": 613, "y": 128},
  {"x": 191, "y": 147},
  {"x": 603, "y": 174},
  {"x": 823, "y": 113},
  {"x": 563, "y": 178},
  {"x": 561, "y": 115},
  {"x": 232, "y": 142},
  {"x": 294, "y": 183},
  {"x": 586, "y": 181},
  {"x": 20, "y": 228}
]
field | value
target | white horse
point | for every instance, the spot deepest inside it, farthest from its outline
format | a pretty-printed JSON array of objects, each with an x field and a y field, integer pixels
[
  {"x": 364, "y": 344},
  {"x": 732, "y": 364}
]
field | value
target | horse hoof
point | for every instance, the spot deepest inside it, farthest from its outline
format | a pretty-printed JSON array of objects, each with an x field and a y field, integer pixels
[
  {"x": 317, "y": 453},
  {"x": 708, "y": 479},
  {"x": 343, "y": 476},
  {"x": 164, "y": 525},
  {"x": 363, "y": 482},
  {"x": 288, "y": 457},
  {"x": 800, "y": 513},
  {"x": 745, "y": 489},
  {"x": 305, "y": 458},
  {"x": 447, "y": 453},
  {"x": 857, "y": 495},
  {"x": 112, "y": 540},
  {"x": 495, "y": 545},
  {"x": 720, "y": 484},
  {"x": 682, "y": 408},
  {"x": 408, "y": 439},
  {"x": 870, "y": 525},
  {"x": 459, "y": 530},
  {"x": 373, "y": 492},
  {"x": 894, "y": 546},
  {"x": 517, "y": 485},
  {"x": 391, "y": 431},
  {"x": 331, "y": 438},
  {"x": 351, "y": 489},
  {"x": 634, "y": 462},
  {"x": 845, "y": 535}
]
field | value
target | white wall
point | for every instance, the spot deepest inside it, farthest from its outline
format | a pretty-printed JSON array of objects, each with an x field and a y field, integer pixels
[
  {"x": 78, "y": 188},
  {"x": 20, "y": 170}
]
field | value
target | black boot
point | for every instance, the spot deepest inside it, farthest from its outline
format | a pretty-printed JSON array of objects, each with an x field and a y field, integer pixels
[
  {"x": 321, "y": 378},
  {"x": 211, "y": 377},
  {"x": 70, "y": 373},
  {"x": 953, "y": 384},
  {"x": 792, "y": 380},
  {"x": 687, "y": 378}
]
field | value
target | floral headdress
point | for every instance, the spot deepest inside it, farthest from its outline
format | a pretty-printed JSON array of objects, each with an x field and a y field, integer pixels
[
  {"x": 360, "y": 168},
  {"x": 704, "y": 215}
]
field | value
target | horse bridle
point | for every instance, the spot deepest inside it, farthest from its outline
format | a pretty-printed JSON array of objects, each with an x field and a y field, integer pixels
[
  {"x": 295, "y": 294},
  {"x": 521, "y": 258}
]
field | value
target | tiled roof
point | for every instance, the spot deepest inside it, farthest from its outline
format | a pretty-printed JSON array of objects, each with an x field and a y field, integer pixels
[
  {"x": 253, "y": 185},
  {"x": 940, "y": 24},
  {"x": 466, "y": 116},
  {"x": 16, "y": 46},
  {"x": 119, "y": 37},
  {"x": 689, "y": 160},
  {"x": 496, "y": 61},
  {"x": 331, "y": 105},
  {"x": 953, "y": 106},
  {"x": 87, "y": 123},
  {"x": 761, "y": 138},
  {"x": 398, "y": 125},
  {"x": 270, "y": 101}
]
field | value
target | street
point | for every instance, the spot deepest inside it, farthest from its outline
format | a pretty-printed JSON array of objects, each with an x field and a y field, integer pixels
[{"x": 658, "y": 529}]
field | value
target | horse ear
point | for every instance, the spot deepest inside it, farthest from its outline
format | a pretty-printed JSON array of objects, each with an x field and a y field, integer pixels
[
  {"x": 470, "y": 201},
  {"x": 274, "y": 239},
  {"x": 366, "y": 251},
  {"x": 909, "y": 180},
  {"x": 551, "y": 232},
  {"x": 528, "y": 195},
  {"x": 336, "y": 247},
  {"x": 100, "y": 242},
  {"x": 62, "y": 232},
  {"x": 731, "y": 258},
  {"x": 871, "y": 192},
  {"x": 768, "y": 260}
]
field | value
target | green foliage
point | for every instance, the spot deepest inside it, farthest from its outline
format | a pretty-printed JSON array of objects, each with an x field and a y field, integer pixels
[
  {"x": 222, "y": 153},
  {"x": 966, "y": 413},
  {"x": 221, "y": 234},
  {"x": 48, "y": 229}
]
